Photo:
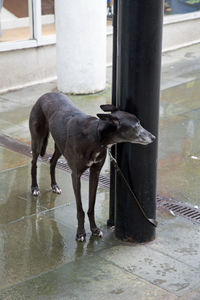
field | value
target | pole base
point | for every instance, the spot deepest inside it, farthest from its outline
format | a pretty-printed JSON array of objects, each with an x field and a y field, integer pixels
[
  {"x": 137, "y": 238},
  {"x": 110, "y": 223}
]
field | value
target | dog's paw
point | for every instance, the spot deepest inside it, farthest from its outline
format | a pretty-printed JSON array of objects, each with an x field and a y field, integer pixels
[
  {"x": 56, "y": 189},
  {"x": 35, "y": 191},
  {"x": 81, "y": 237},
  {"x": 97, "y": 232}
]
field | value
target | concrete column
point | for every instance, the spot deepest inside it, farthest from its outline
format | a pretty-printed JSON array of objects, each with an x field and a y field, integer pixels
[{"x": 81, "y": 45}]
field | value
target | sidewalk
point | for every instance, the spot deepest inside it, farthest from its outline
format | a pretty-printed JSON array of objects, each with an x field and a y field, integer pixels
[{"x": 39, "y": 257}]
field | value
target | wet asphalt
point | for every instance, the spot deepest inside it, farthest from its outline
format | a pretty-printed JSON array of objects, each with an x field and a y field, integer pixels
[{"x": 39, "y": 257}]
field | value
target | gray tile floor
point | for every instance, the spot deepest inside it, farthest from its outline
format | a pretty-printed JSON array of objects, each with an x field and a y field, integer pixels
[{"x": 39, "y": 257}]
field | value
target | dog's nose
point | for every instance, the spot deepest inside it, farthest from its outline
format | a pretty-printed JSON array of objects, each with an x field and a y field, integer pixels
[{"x": 153, "y": 137}]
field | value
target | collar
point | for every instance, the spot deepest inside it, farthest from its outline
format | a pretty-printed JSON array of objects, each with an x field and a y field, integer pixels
[{"x": 98, "y": 136}]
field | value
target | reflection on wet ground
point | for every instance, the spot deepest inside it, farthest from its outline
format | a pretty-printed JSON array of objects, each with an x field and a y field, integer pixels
[
  {"x": 179, "y": 150},
  {"x": 38, "y": 234},
  {"x": 179, "y": 136},
  {"x": 39, "y": 257}
]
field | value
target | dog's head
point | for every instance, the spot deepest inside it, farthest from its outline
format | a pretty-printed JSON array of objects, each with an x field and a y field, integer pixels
[{"x": 125, "y": 126}]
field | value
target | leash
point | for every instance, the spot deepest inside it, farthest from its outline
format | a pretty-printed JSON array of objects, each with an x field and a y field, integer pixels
[{"x": 117, "y": 168}]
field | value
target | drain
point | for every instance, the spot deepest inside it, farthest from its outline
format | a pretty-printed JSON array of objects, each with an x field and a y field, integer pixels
[
  {"x": 177, "y": 208},
  {"x": 14, "y": 145}
]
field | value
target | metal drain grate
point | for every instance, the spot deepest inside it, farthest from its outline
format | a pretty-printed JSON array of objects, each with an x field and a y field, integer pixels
[
  {"x": 17, "y": 146},
  {"x": 179, "y": 208},
  {"x": 104, "y": 181},
  {"x": 176, "y": 208}
]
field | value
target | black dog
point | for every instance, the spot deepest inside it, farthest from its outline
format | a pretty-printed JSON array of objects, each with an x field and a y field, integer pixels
[{"x": 82, "y": 140}]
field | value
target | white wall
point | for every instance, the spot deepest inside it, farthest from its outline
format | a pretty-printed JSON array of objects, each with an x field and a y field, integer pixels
[{"x": 26, "y": 67}]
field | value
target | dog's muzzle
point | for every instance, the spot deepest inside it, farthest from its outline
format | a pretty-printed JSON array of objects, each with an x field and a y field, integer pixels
[{"x": 145, "y": 137}]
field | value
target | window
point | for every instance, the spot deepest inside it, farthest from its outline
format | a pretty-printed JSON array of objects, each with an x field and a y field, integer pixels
[
  {"x": 26, "y": 23},
  {"x": 31, "y": 23},
  {"x": 170, "y": 7},
  {"x": 181, "y": 6},
  {"x": 16, "y": 20},
  {"x": 48, "y": 17}
]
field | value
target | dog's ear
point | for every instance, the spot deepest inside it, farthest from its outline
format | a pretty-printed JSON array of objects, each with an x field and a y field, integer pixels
[
  {"x": 104, "y": 117},
  {"x": 110, "y": 118},
  {"x": 108, "y": 107}
]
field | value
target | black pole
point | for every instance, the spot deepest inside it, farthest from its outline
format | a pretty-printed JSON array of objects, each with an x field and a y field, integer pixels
[
  {"x": 111, "y": 220},
  {"x": 138, "y": 91}
]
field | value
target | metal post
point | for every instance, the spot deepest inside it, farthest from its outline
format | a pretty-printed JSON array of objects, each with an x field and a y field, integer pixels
[
  {"x": 138, "y": 90},
  {"x": 111, "y": 220}
]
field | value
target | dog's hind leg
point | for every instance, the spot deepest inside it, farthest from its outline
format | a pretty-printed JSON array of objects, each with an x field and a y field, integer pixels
[
  {"x": 38, "y": 145},
  {"x": 39, "y": 137},
  {"x": 53, "y": 162},
  {"x": 34, "y": 186},
  {"x": 38, "y": 148}
]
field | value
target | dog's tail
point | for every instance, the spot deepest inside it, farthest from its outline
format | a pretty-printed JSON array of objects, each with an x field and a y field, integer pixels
[
  {"x": 44, "y": 145},
  {"x": 39, "y": 130}
]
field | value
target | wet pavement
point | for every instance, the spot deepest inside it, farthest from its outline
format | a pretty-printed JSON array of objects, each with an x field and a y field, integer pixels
[
  {"x": 39, "y": 257},
  {"x": 179, "y": 151}
]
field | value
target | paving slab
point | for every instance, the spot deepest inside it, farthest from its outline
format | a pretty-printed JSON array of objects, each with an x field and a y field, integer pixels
[
  {"x": 194, "y": 295},
  {"x": 29, "y": 247},
  {"x": 10, "y": 159},
  {"x": 28, "y": 96},
  {"x": 14, "y": 120},
  {"x": 14, "y": 184},
  {"x": 155, "y": 267},
  {"x": 88, "y": 278},
  {"x": 184, "y": 237}
]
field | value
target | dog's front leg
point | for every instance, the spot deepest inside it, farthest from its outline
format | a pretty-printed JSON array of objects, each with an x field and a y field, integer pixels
[
  {"x": 93, "y": 183},
  {"x": 76, "y": 180}
]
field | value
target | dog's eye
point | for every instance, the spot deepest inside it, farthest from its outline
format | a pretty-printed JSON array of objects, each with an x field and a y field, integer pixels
[{"x": 136, "y": 125}]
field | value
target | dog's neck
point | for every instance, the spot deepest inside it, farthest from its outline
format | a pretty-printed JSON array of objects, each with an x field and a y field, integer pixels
[{"x": 106, "y": 134}]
